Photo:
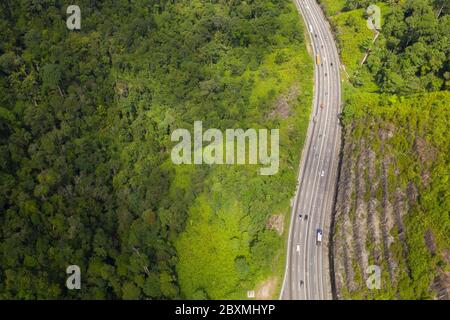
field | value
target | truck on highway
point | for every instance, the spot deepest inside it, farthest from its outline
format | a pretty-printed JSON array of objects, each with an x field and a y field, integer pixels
[
  {"x": 318, "y": 59},
  {"x": 319, "y": 236}
]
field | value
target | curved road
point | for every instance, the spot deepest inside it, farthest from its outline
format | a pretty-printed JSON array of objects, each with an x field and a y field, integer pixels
[{"x": 307, "y": 267}]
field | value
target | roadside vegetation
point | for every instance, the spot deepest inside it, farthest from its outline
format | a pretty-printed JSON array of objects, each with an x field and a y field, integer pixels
[
  {"x": 85, "y": 171},
  {"x": 393, "y": 198},
  {"x": 230, "y": 244}
]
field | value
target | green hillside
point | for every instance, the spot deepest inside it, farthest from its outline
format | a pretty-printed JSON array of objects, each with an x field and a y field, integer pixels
[
  {"x": 392, "y": 208},
  {"x": 86, "y": 119}
]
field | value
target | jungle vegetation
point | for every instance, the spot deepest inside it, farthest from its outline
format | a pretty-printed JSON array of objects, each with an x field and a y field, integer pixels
[
  {"x": 393, "y": 199},
  {"x": 85, "y": 123}
]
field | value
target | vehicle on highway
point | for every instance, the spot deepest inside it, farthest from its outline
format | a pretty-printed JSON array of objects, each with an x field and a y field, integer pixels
[
  {"x": 299, "y": 217},
  {"x": 306, "y": 271},
  {"x": 319, "y": 236}
]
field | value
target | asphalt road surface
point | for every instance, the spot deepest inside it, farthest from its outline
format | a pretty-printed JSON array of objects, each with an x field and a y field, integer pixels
[{"x": 307, "y": 268}]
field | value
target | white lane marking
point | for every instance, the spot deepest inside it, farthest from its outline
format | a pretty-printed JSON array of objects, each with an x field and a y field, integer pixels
[
  {"x": 317, "y": 92},
  {"x": 328, "y": 195},
  {"x": 314, "y": 20},
  {"x": 326, "y": 123}
]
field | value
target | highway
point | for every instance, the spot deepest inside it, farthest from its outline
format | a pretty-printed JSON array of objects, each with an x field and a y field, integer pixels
[{"x": 307, "y": 275}]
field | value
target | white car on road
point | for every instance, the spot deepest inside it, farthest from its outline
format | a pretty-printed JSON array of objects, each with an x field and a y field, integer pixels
[{"x": 319, "y": 236}]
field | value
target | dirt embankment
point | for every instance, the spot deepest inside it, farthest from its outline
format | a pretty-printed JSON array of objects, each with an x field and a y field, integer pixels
[
  {"x": 369, "y": 217},
  {"x": 266, "y": 289}
]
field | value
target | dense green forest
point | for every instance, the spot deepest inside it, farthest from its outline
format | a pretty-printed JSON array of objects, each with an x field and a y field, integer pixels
[
  {"x": 393, "y": 198},
  {"x": 85, "y": 123}
]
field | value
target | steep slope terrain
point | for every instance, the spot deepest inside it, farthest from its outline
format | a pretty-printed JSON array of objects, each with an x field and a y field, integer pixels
[
  {"x": 393, "y": 199},
  {"x": 392, "y": 207}
]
